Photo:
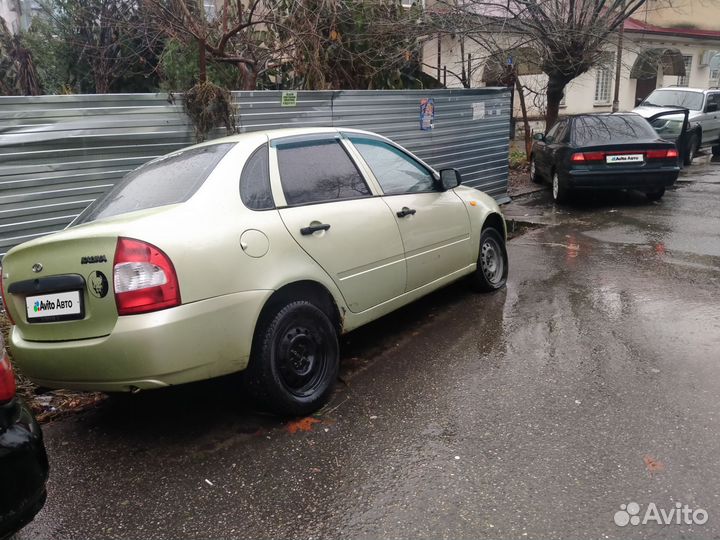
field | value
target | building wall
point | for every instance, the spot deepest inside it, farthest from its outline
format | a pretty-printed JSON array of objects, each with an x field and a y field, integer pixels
[
  {"x": 8, "y": 11},
  {"x": 704, "y": 14},
  {"x": 580, "y": 93}
]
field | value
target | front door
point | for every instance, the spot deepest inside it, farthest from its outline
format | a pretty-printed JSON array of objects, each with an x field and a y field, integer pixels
[
  {"x": 644, "y": 88},
  {"x": 434, "y": 225},
  {"x": 332, "y": 214}
]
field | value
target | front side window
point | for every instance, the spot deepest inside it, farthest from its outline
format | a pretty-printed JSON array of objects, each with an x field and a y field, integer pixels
[
  {"x": 318, "y": 171},
  {"x": 255, "y": 181},
  {"x": 170, "y": 179},
  {"x": 554, "y": 132},
  {"x": 396, "y": 172}
]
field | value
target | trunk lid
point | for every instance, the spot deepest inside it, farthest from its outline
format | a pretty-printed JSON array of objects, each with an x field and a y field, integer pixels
[{"x": 60, "y": 287}]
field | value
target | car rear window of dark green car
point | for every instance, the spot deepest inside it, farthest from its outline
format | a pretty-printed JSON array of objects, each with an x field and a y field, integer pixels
[
  {"x": 167, "y": 180},
  {"x": 603, "y": 129}
]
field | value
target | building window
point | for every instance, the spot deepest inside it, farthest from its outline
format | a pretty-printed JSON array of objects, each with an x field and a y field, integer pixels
[
  {"x": 684, "y": 81},
  {"x": 603, "y": 80}
]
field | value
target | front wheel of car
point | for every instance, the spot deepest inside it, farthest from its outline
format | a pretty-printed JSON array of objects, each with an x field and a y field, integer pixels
[
  {"x": 655, "y": 195},
  {"x": 692, "y": 148},
  {"x": 559, "y": 191},
  {"x": 534, "y": 176},
  {"x": 294, "y": 363},
  {"x": 492, "y": 265}
]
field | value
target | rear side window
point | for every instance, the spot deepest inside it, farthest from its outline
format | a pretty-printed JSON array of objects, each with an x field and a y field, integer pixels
[
  {"x": 602, "y": 129},
  {"x": 166, "y": 180},
  {"x": 255, "y": 181},
  {"x": 318, "y": 171}
]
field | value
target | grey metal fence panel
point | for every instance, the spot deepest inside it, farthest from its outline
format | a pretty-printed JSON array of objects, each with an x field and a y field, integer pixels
[{"x": 59, "y": 153}]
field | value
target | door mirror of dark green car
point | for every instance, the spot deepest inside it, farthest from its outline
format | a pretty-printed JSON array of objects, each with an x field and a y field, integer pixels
[
  {"x": 449, "y": 179},
  {"x": 539, "y": 136}
]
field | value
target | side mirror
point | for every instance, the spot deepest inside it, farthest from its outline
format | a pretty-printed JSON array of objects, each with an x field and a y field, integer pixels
[
  {"x": 712, "y": 107},
  {"x": 539, "y": 136},
  {"x": 449, "y": 179}
]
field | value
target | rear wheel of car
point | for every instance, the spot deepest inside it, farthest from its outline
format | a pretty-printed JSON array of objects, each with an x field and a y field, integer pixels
[
  {"x": 294, "y": 363},
  {"x": 691, "y": 149},
  {"x": 534, "y": 176},
  {"x": 559, "y": 191},
  {"x": 492, "y": 265},
  {"x": 655, "y": 195}
]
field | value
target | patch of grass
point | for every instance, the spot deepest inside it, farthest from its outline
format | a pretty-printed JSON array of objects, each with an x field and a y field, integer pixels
[{"x": 517, "y": 160}]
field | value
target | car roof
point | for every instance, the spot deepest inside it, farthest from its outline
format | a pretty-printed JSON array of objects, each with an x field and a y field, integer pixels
[
  {"x": 272, "y": 134},
  {"x": 583, "y": 115},
  {"x": 683, "y": 89}
]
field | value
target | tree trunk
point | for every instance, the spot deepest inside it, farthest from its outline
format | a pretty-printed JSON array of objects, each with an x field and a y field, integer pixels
[
  {"x": 526, "y": 122},
  {"x": 555, "y": 92},
  {"x": 202, "y": 62},
  {"x": 248, "y": 77}
]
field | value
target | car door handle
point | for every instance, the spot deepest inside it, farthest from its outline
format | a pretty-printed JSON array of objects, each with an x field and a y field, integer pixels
[
  {"x": 406, "y": 212},
  {"x": 314, "y": 228}
]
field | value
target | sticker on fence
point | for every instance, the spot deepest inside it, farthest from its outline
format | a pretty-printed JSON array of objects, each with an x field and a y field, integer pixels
[
  {"x": 288, "y": 99},
  {"x": 478, "y": 110},
  {"x": 427, "y": 113}
]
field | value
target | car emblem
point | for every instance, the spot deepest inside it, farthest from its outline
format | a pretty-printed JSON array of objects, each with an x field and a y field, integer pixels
[{"x": 37, "y": 267}]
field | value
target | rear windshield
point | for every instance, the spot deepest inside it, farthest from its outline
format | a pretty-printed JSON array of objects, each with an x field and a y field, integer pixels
[
  {"x": 675, "y": 98},
  {"x": 605, "y": 129},
  {"x": 166, "y": 180}
]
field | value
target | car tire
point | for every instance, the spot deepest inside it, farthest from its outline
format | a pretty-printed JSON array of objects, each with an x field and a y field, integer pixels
[
  {"x": 716, "y": 150},
  {"x": 692, "y": 148},
  {"x": 560, "y": 192},
  {"x": 534, "y": 176},
  {"x": 492, "y": 265},
  {"x": 295, "y": 360},
  {"x": 655, "y": 195}
]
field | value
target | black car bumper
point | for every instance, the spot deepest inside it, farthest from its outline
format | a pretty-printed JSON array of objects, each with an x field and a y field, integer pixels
[
  {"x": 641, "y": 180},
  {"x": 23, "y": 467}
]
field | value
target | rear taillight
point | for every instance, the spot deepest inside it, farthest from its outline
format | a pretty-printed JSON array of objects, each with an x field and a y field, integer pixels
[
  {"x": 584, "y": 157},
  {"x": 144, "y": 278},
  {"x": 2, "y": 293},
  {"x": 7, "y": 379},
  {"x": 671, "y": 153}
]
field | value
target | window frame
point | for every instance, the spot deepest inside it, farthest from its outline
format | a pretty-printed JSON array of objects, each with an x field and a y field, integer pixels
[
  {"x": 276, "y": 184},
  {"x": 684, "y": 82},
  {"x": 265, "y": 145},
  {"x": 605, "y": 70},
  {"x": 366, "y": 166}
]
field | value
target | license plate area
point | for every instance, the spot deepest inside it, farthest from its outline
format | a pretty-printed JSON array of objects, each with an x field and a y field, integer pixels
[
  {"x": 624, "y": 158},
  {"x": 54, "y": 307}
]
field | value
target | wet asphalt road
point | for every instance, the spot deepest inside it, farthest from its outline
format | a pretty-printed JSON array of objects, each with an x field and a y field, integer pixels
[{"x": 590, "y": 382}]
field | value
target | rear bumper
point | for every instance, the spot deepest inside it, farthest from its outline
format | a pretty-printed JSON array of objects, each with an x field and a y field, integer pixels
[
  {"x": 187, "y": 343},
  {"x": 23, "y": 467},
  {"x": 641, "y": 180}
]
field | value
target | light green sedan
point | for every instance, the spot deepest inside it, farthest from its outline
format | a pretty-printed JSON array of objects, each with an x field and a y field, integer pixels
[{"x": 252, "y": 252}]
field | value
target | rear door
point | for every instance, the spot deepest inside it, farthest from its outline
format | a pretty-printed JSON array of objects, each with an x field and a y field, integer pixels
[
  {"x": 331, "y": 212},
  {"x": 434, "y": 225},
  {"x": 711, "y": 122}
]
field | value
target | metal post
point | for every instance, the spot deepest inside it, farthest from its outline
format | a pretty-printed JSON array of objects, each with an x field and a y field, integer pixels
[
  {"x": 439, "y": 53},
  {"x": 618, "y": 67}
]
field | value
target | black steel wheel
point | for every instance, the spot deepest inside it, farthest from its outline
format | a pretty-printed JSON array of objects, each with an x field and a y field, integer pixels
[
  {"x": 295, "y": 360},
  {"x": 655, "y": 195},
  {"x": 492, "y": 266},
  {"x": 692, "y": 147}
]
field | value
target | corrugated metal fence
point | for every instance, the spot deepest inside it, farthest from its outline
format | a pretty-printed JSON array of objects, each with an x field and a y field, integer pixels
[{"x": 59, "y": 153}]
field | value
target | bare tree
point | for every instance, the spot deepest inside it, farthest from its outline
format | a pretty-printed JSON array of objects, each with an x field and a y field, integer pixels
[
  {"x": 17, "y": 69},
  {"x": 569, "y": 36}
]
